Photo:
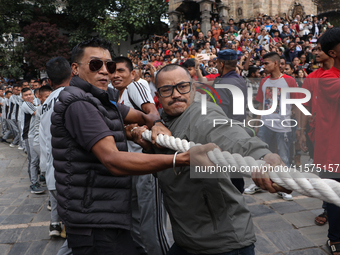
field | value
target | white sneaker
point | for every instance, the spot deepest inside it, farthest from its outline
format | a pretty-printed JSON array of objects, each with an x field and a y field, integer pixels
[
  {"x": 310, "y": 161},
  {"x": 12, "y": 145},
  {"x": 252, "y": 189},
  {"x": 285, "y": 196},
  {"x": 20, "y": 148}
]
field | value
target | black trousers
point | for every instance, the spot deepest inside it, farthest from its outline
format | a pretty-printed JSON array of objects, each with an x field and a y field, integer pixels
[{"x": 103, "y": 242}]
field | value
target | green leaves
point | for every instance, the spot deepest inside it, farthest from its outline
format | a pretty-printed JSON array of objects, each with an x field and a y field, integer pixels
[{"x": 126, "y": 17}]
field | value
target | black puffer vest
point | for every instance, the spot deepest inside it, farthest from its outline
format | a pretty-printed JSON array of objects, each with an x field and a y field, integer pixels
[{"x": 88, "y": 194}]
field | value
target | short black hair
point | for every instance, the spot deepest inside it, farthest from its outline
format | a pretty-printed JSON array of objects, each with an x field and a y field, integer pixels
[
  {"x": 58, "y": 70},
  {"x": 330, "y": 39},
  {"x": 252, "y": 69},
  {"x": 189, "y": 63},
  {"x": 16, "y": 86},
  {"x": 78, "y": 50},
  {"x": 25, "y": 90},
  {"x": 44, "y": 89},
  {"x": 22, "y": 82},
  {"x": 8, "y": 91},
  {"x": 272, "y": 56},
  {"x": 168, "y": 68},
  {"x": 44, "y": 79},
  {"x": 37, "y": 81},
  {"x": 36, "y": 91},
  {"x": 124, "y": 60},
  {"x": 291, "y": 65}
]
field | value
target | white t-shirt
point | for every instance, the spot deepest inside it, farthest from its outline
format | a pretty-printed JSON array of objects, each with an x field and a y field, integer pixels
[
  {"x": 45, "y": 137},
  {"x": 265, "y": 96},
  {"x": 139, "y": 93}
]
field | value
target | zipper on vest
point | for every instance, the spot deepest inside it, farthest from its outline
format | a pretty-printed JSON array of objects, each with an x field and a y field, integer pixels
[{"x": 88, "y": 200}]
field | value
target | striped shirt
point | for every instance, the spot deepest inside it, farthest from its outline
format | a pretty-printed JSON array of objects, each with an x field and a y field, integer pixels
[
  {"x": 28, "y": 111},
  {"x": 135, "y": 95}
]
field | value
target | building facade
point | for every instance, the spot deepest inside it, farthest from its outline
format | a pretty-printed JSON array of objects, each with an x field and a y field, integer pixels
[{"x": 205, "y": 10}]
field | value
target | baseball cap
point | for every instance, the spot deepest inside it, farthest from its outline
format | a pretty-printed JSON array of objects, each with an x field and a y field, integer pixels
[{"x": 227, "y": 54}]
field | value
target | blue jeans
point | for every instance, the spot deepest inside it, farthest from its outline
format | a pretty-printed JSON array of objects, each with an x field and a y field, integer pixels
[
  {"x": 333, "y": 213},
  {"x": 249, "y": 250},
  {"x": 283, "y": 141}
]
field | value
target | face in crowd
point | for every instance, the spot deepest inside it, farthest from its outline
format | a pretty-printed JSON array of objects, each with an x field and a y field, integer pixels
[
  {"x": 147, "y": 77},
  {"x": 320, "y": 55},
  {"x": 269, "y": 65},
  {"x": 25, "y": 84},
  {"x": 175, "y": 100},
  {"x": 43, "y": 96},
  {"x": 17, "y": 91},
  {"x": 282, "y": 65},
  {"x": 122, "y": 77},
  {"x": 28, "y": 96},
  {"x": 288, "y": 70},
  {"x": 99, "y": 78}
]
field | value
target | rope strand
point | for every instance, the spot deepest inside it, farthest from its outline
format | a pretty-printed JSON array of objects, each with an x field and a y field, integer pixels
[{"x": 307, "y": 184}]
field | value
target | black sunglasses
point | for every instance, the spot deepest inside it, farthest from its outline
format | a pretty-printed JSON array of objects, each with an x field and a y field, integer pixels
[{"x": 96, "y": 64}]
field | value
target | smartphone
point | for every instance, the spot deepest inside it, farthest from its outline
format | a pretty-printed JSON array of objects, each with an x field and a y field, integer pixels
[{"x": 206, "y": 56}]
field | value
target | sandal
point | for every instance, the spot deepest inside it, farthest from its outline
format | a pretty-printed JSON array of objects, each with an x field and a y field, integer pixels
[
  {"x": 334, "y": 247},
  {"x": 324, "y": 216}
]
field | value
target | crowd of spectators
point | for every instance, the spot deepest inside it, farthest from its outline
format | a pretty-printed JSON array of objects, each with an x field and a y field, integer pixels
[{"x": 293, "y": 39}]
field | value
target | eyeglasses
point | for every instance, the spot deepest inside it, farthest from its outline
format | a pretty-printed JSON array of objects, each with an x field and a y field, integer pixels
[
  {"x": 96, "y": 64},
  {"x": 168, "y": 90}
]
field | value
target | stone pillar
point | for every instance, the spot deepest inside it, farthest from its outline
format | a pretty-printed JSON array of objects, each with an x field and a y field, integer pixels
[
  {"x": 224, "y": 15},
  {"x": 205, "y": 8},
  {"x": 173, "y": 18}
]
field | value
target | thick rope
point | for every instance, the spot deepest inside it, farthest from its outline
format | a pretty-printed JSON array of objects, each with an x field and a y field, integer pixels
[{"x": 307, "y": 184}]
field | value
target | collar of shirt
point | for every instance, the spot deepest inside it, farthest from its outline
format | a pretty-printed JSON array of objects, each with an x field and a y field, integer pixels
[{"x": 230, "y": 75}]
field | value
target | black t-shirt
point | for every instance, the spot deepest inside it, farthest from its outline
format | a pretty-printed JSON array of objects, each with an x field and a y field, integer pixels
[{"x": 86, "y": 123}]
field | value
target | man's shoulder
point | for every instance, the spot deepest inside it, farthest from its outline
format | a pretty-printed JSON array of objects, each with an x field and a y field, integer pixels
[
  {"x": 331, "y": 73},
  {"x": 316, "y": 74},
  {"x": 53, "y": 95},
  {"x": 70, "y": 94},
  {"x": 289, "y": 80}
]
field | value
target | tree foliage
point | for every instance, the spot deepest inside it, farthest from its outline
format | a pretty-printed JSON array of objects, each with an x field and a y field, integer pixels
[
  {"x": 43, "y": 42},
  {"x": 327, "y": 5},
  {"x": 128, "y": 17},
  {"x": 44, "y": 22}
]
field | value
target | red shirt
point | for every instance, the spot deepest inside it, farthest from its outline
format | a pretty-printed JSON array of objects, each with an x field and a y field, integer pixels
[
  {"x": 311, "y": 84},
  {"x": 211, "y": 76},
  {"x": 327, "y": 135}
]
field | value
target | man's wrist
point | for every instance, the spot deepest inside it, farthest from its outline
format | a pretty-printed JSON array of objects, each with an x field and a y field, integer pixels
[{"x": 159, "y": 121}]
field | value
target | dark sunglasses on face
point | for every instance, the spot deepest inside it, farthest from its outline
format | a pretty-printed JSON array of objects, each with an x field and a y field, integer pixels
[
  {"x": 168, "y": 90},
  {"x": 96, "y": 64}
]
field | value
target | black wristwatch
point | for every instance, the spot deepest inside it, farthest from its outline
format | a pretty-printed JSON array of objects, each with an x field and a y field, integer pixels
[{"x": 160, "y": 120}]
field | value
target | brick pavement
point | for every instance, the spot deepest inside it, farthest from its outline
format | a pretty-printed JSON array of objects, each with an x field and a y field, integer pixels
[{"x": 281, "y": 227}]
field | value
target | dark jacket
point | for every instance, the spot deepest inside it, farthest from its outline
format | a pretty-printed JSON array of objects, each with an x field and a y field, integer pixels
[
  {"x": 89, "y": 196},
  {"x": 289, "y": 55}
]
